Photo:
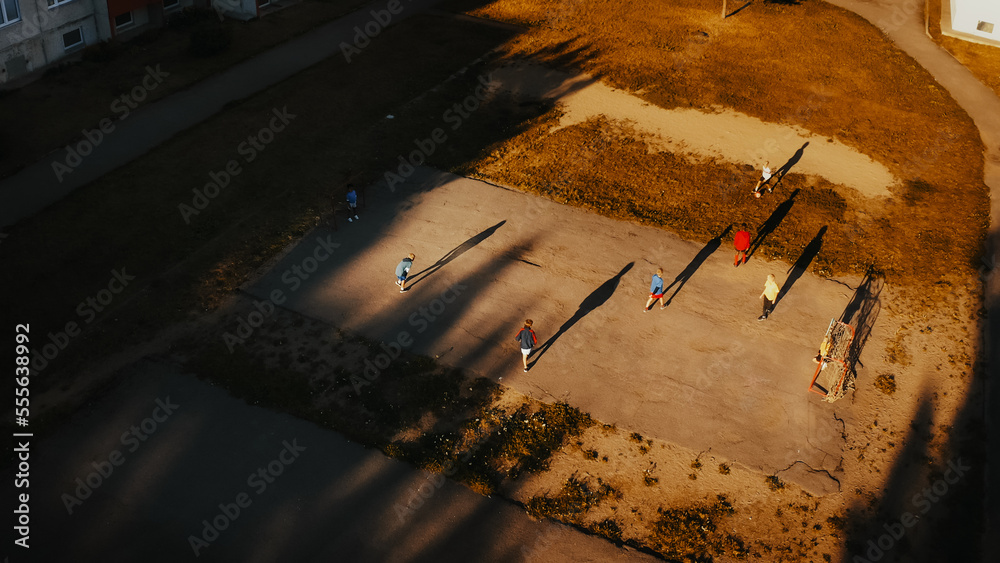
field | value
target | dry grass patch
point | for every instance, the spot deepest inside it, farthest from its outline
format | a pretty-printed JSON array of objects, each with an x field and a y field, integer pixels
[{"x": 811, "y": 65}]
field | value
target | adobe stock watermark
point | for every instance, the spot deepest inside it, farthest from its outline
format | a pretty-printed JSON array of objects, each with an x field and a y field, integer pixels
[
  {"x": 363, "y": 35},
  {"x": 259, "y": 481},
  {"x": 801, "y": 116},
  {"x": 421, "y": 319},
  {"x": 122, "y": 107},
  {"x": 543, "y": 542},
  {"x": 292, "y": 277},
  {"x": 455, "y": 116},
  {"x": 565, "y": 13},
  {"x": 902, "y": 12},
  {"x": 132, "y": 439},
  {"x": 738, "y": 182},
  {"x": 924, "y": 500},
  {"x": 431, "y": 484},
  {"x": 249, "y": 150},
  {"x": 86, "y": 310}
]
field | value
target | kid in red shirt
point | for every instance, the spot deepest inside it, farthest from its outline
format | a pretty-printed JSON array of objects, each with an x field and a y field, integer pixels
[{"x": 742, "y": 243}]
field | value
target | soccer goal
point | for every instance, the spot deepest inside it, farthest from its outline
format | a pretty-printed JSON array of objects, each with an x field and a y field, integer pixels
[{"x": 831, "y": 379}]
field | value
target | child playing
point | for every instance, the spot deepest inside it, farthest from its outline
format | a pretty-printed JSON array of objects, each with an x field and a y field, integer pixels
[
  {"x": 526, "y": 337},
  {"x": 352, "y": 202},
  {"x": 742, "y": 243},
  {"x": 655, "y": 291},
  {"x": 765, "y": 177},
  {"x": 402, "y": 269}
]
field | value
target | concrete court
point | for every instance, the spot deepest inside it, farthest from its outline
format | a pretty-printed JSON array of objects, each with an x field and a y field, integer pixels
[
  {"x": 334, "y": 501},
  {"x": 704, "y": 373}
]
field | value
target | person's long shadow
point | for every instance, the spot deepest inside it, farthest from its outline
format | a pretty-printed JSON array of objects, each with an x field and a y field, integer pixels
[
  {"x": 695, "y": 263},
  {"x": 780, "y": 173},
  {"x": 451, "y": 255},
  {"x": 596, "y": 298},
  {"x": 802, "y": 264},
  {"x": 772, "y": 222},
  {"x": 738, "y": 10}
]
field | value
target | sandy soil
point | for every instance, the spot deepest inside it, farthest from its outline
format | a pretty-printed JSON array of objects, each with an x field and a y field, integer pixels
[{"x": 724, "y": 134}]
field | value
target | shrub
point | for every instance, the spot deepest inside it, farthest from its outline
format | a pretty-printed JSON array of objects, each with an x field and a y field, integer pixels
[
  {"x": 102, "y": 52},
  {"x": 209, "y": 38}
]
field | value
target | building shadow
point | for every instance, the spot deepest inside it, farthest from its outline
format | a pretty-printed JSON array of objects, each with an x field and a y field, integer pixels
[
  {"x": 772, "y": 222},
  {"x": 861, "y": 313},
  {"x": 452, "y": 254},
  {"x": 597, "y": 298},
  {"x": 802, "y": 264},
  {"x": 695, "y": 263}
]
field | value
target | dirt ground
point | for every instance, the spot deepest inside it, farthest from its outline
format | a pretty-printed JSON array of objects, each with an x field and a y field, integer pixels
[
  {"x": 682, "y": 416},
  {"x": 722, "y": 134}
]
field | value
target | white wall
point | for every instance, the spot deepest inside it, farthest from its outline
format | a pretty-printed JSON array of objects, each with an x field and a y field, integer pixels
[
  {"x": 38, "y": 36},
  {"x": 966, "y": 15}
]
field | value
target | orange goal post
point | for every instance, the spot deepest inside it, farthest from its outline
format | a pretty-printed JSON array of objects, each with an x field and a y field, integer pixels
[{"x": 831, "y": 378}]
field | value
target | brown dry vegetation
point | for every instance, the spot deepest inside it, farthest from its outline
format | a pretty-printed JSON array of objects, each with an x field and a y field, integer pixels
[{"x": 811, "y": 65}]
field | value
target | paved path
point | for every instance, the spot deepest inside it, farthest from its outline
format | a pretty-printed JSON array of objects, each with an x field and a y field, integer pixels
[
  {"x": 329, "y": 501},
  {"x": 902, "y": 21},
  {"x": 704, "y": 373},
  {"x": 37, "y": 185}
]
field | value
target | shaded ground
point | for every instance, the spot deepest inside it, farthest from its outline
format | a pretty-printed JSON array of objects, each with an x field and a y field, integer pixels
[{"x": 321, "y": 499}]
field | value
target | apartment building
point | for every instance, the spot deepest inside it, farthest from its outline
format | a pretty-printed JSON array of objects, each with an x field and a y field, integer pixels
[{"x": 36, "y": 33}]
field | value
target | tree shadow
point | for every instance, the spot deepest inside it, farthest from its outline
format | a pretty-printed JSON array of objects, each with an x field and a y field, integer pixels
[
  {"x": 772, "y": 222},
  {"x": 695, "y": 263},
  {"x": 802, "y": 264},
  {"x": 452, "y": 254},
  {"x": 861, "y": 313},
  {"x": 597, "y": 298}
]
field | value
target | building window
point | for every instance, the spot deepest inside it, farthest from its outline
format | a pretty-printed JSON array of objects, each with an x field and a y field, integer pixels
[
  {"x": 985, "y": 27},
  {"x": 9, "y": 12},
  {"x": 171, "y": 4},
  {"x": 54, "y": 3},
  {"x": 73, "y": 39},
  {"x": 123, "y": 20}
]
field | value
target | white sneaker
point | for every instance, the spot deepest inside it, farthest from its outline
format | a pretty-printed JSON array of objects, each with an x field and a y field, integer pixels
[
  {"x": 349, "y": 220},
  {"x": 356, "y": 217}
]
